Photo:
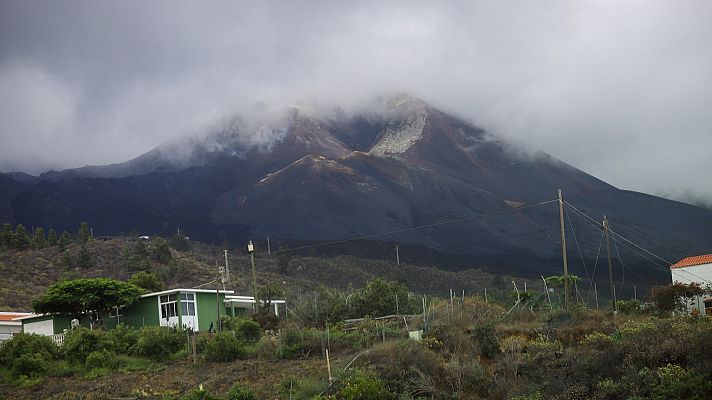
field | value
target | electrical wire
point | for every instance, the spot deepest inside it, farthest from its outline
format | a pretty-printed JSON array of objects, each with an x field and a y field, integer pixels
[
  {"x": 413, "y": 228},
  {"x": 573, "y": 231}
]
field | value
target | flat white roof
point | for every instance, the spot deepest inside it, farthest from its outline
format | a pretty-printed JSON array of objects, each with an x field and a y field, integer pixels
[
  {"x": 249, "y": 299},
  {"x": 186, "y": 290}
]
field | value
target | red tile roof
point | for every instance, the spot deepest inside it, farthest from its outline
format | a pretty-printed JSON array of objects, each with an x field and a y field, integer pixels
[
  {"x": 696, "y": 260},
  {"x": 10, "y": 317}
]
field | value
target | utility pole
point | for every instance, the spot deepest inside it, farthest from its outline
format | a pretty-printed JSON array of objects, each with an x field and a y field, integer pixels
[
  {"x": 251, "y": 250},
  {"x": 269, "y": 249},
  {"x": 610, "y": 263},
  {"x": 397, "y": 256},
  {"x": 563, "y": 251},
  {"x": 227, "y": 269},
  {"x": 217, "y": 295}
]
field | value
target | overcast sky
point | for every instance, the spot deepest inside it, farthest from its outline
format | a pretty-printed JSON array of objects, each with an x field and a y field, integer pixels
[{"x": 620, "y": 89}]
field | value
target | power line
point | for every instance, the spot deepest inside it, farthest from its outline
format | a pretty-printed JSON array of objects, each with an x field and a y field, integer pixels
[
  {"x": 413, "y": 228},
  {"x": 637, "y": 246}
]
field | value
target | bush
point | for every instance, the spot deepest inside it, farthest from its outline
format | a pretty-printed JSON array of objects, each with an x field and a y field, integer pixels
[
  {"x": 159, "y": 343},
  {"x": 629, "y": 307},
  {"x": 80, "y": 342},
  {"x": 101, "y": 359},
  {"x": 360, "y": 384},
  {"x": 296, "y": 343},
  {"x": 301, "y": 388},
  {"x": 409, "y": 367},
  {"x": 122, "y": 338},
  {"x": 246, "y": 329},
  {"x": 25, "y": 343},
  {"x": 266, "y": 319},
  {"x": 486, "y": 337},
  {"x": 30, "y": 364},
  {"x": 222, "y": 346},
  {"x": 237, "y": 392}
]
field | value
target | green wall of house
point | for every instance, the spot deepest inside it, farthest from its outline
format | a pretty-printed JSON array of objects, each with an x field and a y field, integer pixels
[
  {"x": 62, "y": 322},
  {"x": 142, "y": 313},
  {"x": 207, "y": 310}
]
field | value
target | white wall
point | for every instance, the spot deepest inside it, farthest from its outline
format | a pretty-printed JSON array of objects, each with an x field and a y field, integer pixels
[
  {"x": 700, "y": 274},
  {"x": 40, "y": 327}
]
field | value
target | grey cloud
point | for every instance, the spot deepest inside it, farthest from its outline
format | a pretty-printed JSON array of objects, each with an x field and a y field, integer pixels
[{"x": 619, "y": 89}]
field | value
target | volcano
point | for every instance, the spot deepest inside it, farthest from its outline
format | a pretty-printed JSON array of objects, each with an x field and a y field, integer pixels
[{"x": 402, "y": 172}]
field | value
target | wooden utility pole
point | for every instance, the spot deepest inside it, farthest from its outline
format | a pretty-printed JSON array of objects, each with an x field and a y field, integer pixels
[
  {"x": 397, "y": 256},
  {"x": 563, "y": 251},
  {"x": 610, "y": 263},
  {"x": 227, "y": 269},
  {"x": 251, "y": 250},
  {"x": 217, "y": 296}
]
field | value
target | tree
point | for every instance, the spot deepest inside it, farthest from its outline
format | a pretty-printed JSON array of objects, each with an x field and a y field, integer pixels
[
  {"x": 136, "y": 259},
  {"x": 284, "y": 256},
  {"x": 161, "y": 252},
  {"x": 267, "y": 293},
  {"x": 180, "y": 242},
  {"x": 674, "y": 297},
  {"x": 64, "y": 240},
  {"x": 84, "y": 234},
  {"x": 147, "y": 280},
  {"x": 7, "y": 237},
  {"x": 84, "y": 259},
  {"x": 93, "y": 296},
  {"x": 66, "y": 260},
  {"x": 52, "y": 237},
  {"x": 378, "y": 298},
  {"x": 38, "y": 239},
  {"x": 22, "y": 239}
]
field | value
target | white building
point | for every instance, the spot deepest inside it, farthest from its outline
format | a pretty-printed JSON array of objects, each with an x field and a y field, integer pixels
[
  {"x": 697, "y": 269},
  {"x": 9, "y": 324}
]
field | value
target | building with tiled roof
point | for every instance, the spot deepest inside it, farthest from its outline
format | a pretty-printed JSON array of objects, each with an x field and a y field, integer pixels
[
  {"x": 9, "y": 325},
  {"x": 695, "y": 269}
]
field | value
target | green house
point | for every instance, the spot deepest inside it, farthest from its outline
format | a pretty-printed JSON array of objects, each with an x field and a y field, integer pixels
[{"x": 190, "y": 308}]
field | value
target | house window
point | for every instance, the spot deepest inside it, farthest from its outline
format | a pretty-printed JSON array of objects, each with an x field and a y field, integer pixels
[
  {"x": 168, "y": 306},
  {"x": 187, "y": 304}
]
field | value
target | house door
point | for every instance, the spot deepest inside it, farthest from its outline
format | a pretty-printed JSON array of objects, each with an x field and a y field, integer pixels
[
  {"x": 187, "y": 311},
  {"x": 169, "y": 310}
]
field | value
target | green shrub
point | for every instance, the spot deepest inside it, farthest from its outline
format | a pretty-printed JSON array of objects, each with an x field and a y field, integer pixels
[
  {"x": 486, "y": 337},
  {"x": 222, "y": 346},
  {"x": 238, "y": 392},
  {"x": 101, "y": 359},
  {"x": 407, "y": 367},
  {"x": 295, "y": 343},
  {"x": 122, "y": 338},
  {"x": 301, "y": 388},
  {"x": 30, "y": 364},
  {"x": 361, "y": 384},
  {"x": 630, "y": 307},
  {"x": 24, "y": 343},
  {"x": 246, "y": 329},
  {"x": 159, "y": 343},
  {"x": 80, "y": 342}
]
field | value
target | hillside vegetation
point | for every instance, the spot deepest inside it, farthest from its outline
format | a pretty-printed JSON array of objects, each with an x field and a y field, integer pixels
[{"x": 25, "y": 273}]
